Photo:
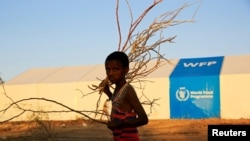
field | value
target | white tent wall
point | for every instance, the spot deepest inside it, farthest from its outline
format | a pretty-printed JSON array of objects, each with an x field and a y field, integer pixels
[
  {"x": 156, "y": 90},
  {"x": 234, "y": 87},
  {"x": 58, "y": 84},
  {"x": 235, "y": 96},
  {"x": 156, "y": 87},
  {"x": 63, "y": 93},
  {"x": 68, "y": 94},
  {"x": 15, "y": 93},
  {"x": 87, "y": 101}
]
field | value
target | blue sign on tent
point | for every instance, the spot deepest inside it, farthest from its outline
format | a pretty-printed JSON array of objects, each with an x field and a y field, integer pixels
[{"x": 195, "y": 88}]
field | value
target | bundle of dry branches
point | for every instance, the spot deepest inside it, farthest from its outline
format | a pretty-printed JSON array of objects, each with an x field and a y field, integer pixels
[{"x": 140, "y": 50}]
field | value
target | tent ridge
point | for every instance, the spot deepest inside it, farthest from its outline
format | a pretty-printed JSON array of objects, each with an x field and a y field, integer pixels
[
  {"x": 87, "y": 73},
  {"x": 50, "y": 74}
]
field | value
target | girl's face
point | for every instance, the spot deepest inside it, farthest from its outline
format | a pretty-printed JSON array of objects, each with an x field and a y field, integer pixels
[{"x": 115, "y": 71}]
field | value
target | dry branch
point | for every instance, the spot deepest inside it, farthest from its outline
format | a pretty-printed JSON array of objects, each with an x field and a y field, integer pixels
[{"x": 69, "y": 109}]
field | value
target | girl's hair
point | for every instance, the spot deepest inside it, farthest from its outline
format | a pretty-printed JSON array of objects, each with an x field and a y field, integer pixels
[{"x": 119, "y": 56}]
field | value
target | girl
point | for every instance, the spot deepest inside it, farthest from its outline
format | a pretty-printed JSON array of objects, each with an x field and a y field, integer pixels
[{"x": 127, "y": 112}]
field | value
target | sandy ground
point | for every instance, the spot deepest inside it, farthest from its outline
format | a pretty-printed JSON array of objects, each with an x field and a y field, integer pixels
[{"x": 80, "y": 130}]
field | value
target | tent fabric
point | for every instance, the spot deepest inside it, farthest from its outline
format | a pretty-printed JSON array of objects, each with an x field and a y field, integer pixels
[
  {"x": 236, "y": 64},
  {"x": 78, "y": 73},
  {"x": 56, "y": 75},
  {"x": 231, "y": 65},
  {"x": 63, "y": 84}
]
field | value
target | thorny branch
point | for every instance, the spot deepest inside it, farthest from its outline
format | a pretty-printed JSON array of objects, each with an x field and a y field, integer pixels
[{"x": 23, "y": 110}]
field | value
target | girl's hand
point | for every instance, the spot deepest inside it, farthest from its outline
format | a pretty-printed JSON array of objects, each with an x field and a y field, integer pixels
[
  {"x": 113, "y": 125},
  {"x": 106, "y": 89},
  {"x": 105, "y": 86}
]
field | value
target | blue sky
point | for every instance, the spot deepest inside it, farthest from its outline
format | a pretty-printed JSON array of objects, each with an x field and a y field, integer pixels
[{"x": 56, "y": 33}]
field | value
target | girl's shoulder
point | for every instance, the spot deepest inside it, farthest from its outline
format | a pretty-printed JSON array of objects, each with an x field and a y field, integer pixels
[{"x": 128, "y": 89}]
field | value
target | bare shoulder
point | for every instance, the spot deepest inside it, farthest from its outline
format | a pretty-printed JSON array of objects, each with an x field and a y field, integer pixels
[
  {"x": 130, "y": 92},
  {"x": 130, "y": 89}
]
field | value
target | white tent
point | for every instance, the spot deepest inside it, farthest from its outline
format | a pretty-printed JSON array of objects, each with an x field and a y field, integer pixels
[
  {"x": 234, "y": 86},
  {"x": 68, "y": 85}
]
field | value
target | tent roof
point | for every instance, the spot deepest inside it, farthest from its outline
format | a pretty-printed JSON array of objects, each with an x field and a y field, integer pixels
[
  {"x": 74, "y": 74},
  {"x": 236, "y": 64},
  {"x": 57, "y": 74}
]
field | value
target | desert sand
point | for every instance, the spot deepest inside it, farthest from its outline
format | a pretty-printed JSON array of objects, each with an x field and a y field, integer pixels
[{"x": 84, "y": 130}]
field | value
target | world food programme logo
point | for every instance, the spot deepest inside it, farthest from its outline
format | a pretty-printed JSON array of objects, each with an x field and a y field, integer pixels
[{"x": 182, "y": 94}]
